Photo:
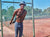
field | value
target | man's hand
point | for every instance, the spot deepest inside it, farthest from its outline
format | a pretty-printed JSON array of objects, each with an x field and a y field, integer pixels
[
  {"x": 15, "y": 12},
  {"x": 10, "y": 22}
]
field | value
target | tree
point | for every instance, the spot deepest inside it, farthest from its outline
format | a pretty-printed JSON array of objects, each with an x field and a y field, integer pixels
[
  {"x": 10, "y": 11},
  {"x": 46, "y": 11},
  {"x": 4, "y": 11},
  {"x": 37, "y": 11},
  {"x": 29, "y": 10}
]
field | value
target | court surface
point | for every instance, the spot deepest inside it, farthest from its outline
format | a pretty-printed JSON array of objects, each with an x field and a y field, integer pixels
[{"x": 42, "y": 28}]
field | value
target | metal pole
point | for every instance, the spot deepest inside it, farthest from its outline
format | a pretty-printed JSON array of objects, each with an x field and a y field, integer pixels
[
  {"x": 33, "y": 20},
  {"x": 14, "y": 2},
  {"x": 1, "y": 18}
]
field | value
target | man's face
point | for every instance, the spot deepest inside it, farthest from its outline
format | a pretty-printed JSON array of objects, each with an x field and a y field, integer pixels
[{"x": 22, "y": 6}]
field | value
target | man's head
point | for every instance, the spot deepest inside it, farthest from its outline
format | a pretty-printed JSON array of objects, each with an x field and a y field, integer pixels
[{"x": 22, "y": 4}]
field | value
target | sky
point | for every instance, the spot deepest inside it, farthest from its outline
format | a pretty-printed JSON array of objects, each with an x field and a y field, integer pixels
[{"x": 41, "y": 4}]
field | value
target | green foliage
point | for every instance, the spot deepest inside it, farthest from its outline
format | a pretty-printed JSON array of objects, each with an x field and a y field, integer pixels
[
  {"x": 10, "y": 11},
  {"x": 37, "y": 12},
  {"x": 4, "y": 11},
  {"x": 29, "y": 10}
]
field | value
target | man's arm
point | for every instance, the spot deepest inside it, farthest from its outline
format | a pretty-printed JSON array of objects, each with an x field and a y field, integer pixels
[
  {"x": 24, "y": 14},
  {"x": 13, "y": 16}
]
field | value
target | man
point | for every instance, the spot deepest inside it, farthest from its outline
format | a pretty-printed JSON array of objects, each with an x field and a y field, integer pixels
[{"x": 21, "y": 13}]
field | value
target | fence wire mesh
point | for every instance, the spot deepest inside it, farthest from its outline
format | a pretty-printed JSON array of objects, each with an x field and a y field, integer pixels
[{"x": 7, "y": 12}]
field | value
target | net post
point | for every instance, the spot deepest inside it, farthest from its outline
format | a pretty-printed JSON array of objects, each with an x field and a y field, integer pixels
[{"x": 33, "y": 20}]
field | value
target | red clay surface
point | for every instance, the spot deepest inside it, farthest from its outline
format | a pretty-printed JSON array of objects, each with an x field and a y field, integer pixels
[
  {"x": 27, "y": 30},
  {"x": 42, "y": 28}
]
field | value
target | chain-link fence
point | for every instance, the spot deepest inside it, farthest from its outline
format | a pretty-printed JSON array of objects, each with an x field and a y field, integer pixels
[{"x": 8, "y": 7}]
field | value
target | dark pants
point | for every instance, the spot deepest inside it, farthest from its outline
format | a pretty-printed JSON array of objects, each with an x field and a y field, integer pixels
[{"x": 18, "y": 28}]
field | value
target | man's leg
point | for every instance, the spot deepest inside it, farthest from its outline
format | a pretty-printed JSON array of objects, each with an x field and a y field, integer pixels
[
  {"x": 21, "y": 30},
  {"x": 16, "y": 29}
]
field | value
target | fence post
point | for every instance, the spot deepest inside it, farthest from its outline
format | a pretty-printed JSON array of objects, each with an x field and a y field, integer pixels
[
  {"x": 33, "y": 20},
  {"x": 1, "y": 18}
]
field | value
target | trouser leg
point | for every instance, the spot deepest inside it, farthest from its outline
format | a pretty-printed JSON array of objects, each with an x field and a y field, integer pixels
[
  {"x": 16, "y": 30},
  {"x": 21, "y": 30}
]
